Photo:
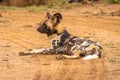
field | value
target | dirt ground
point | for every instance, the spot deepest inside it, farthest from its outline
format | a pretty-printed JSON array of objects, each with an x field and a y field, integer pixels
[{"x": 18, "y": 33}]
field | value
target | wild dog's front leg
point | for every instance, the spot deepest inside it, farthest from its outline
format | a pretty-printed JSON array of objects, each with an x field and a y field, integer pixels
[{"x": 36, "y": 51}]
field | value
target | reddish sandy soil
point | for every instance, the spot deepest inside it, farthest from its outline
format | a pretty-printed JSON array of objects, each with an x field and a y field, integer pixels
[{"x": 18, "y": 33}]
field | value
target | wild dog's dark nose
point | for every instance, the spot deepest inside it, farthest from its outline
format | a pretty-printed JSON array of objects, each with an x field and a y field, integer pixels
[
  {"x": 42, "y": 29},
  {"x": 39, "y": 30}
]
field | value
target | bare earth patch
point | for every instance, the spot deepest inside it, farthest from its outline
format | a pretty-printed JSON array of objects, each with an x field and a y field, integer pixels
[{"x": 18, "y": 33}]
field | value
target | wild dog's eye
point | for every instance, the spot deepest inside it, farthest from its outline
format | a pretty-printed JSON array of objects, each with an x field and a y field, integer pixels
[{"x": 45, "y": 26}]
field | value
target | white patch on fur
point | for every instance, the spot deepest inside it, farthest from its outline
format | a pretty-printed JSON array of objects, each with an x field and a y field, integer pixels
[
  {"x": 73, "y": 47},
  {"x": 89, "y": 57},
  {"x": 36, "y": 51},
  {"x": 75, "y": 38},
  {"x": 57, "y": 40},
  {"x": 85, "y": 43},
  {"x": 98, "y": 44}
]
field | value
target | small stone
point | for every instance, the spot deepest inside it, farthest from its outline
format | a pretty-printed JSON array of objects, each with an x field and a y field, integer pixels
[
  {"x": 5, "y": 59},
  {"x": 95, "y": 13},
  {"x": 27, "y": 26}
]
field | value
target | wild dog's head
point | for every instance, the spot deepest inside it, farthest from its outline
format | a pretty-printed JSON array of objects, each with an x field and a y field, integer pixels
[{"x": 51, "y": 24}]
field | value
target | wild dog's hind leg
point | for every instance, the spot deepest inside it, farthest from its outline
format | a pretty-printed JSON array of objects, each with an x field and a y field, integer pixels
[
  {"x": 76, "y": 55},
  {"x": 35, "y": 51},
  {"x": 71, "y": 56}
]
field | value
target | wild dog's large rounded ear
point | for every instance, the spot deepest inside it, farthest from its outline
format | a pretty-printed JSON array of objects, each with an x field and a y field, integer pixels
[
  {"x": 58, "y": 17},
  {"x": 49, "y": 16}
]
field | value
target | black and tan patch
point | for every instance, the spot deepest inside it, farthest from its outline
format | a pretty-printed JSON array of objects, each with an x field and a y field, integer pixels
[{"x": 51, "y": 24}]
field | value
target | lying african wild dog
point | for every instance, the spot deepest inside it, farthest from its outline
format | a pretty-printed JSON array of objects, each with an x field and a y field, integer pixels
[{"x": 66, "y": 44}]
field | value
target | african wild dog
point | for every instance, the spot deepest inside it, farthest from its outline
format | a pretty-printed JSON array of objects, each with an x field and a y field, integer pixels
[{"x": 64, "y": 43}]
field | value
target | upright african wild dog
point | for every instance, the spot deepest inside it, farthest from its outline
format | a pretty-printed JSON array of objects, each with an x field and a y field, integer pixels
[{"x": 64, "y": 43}]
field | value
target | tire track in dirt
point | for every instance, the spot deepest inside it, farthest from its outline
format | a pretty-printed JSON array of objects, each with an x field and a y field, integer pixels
[
  {"x": 69, "y": 69},
  {"x": 100, "y": 70}
]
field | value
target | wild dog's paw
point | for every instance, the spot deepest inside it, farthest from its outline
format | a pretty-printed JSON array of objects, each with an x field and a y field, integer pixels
[
  {"x": 60, "y": 57},
  {"x": 30, "y": 49},
  {"x": 23, "y": 53}
]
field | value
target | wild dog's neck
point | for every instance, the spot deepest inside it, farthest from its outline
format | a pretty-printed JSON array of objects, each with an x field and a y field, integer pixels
[
  {"x": 59, "y": 29},
  {"x": 63, "y": 37},
  {"x": 63, "y": 32}
]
